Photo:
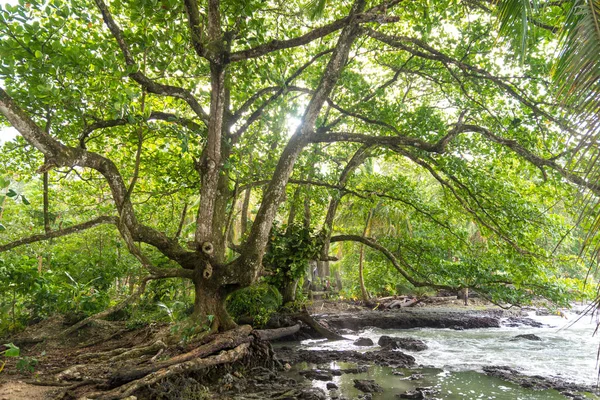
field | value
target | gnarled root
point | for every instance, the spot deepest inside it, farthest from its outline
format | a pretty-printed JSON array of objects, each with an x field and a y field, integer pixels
[{"x": 229, "y": 356}]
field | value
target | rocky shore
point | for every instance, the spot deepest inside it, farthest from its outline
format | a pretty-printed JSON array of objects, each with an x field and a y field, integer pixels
[{"x": 311, "y": 366}]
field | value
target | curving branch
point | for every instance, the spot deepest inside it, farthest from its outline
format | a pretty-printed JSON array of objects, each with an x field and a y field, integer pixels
[
  {"x": 420, "y": 49},
  {"x": 147, "y": 83},
  {"x": 60, "y": 233},
  {"x": 261, "y": 227},
  {"x": 60, "y": 155},
  {"x": 399, "y": 263},
  {"x": 463, "y": 202},
  {"x": 372, "y": 15},
  {"x": 154, "y": 116},
  {"x": 193, "y": 14}
]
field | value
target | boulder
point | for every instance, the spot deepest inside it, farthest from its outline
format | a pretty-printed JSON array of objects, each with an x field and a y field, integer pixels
[
  {"x": 529, "y": 336},
  {"x": 363, "y": 342},
  {"x": 402, "y": 343}
]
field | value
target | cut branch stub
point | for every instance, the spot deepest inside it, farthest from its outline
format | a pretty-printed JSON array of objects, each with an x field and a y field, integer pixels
[
  {"x": 207, "y": 248},
  {"x": 208, "y": 270}
]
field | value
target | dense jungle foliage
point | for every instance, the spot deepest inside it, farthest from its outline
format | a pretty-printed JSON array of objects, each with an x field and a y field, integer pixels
[{"x": 250, "y": 152}]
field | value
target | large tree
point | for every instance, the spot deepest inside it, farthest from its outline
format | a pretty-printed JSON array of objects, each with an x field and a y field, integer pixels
[{"x": 204, "y": 100}]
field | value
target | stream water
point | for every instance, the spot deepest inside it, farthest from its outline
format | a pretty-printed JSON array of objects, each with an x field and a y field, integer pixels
[{"x": 453, "y": 362}]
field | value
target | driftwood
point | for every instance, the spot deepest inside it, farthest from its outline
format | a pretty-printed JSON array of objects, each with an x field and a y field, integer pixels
[
  {"x": 272, "y": 334},
  {"x": 305, "y": 317}
]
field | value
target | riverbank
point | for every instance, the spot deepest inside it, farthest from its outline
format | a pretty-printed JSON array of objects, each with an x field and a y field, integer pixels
[{"x": 449, "y": 354}]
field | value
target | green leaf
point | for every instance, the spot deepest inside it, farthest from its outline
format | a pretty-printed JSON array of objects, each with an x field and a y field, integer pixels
[
  {"x": 24, "y": 200},
  {"x": 4, "y": 182},
  {"x": 2, "y": 228},
  {"x": 38, "y": 54},
  {"x": 11, "y": 193},
  {"x": 12, "y": 351}
]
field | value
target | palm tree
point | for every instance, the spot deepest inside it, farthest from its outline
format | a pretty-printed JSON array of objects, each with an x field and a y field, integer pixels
[{"x": 576, "y": 71}]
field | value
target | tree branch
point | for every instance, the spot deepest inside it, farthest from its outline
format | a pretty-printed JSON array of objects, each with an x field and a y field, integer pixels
[
  {"x": 59, "y": 155},
  {"x": 59, "y": 233},
  {"x": 372, "y": 15},
  {"x": 399, "y": 262},
  {"x": 147, "y": 83},
  {"x": 155, "y": 115}
]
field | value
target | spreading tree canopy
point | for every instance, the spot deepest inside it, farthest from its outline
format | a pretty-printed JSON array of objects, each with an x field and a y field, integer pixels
[{"x": 415, "y": 110}]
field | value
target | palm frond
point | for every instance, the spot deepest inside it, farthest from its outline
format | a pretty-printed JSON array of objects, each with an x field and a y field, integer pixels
[
  {"x": 514, "y": 17},
  {"x": 315, "y": 8},
  {"x": 577, "y": 70}
]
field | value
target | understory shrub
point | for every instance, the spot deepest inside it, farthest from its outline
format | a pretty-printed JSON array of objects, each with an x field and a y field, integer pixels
[{"x": 257, "y": 301}]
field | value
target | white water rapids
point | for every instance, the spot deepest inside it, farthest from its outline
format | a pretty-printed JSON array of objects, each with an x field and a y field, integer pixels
[{"x": 568, "y": 349}]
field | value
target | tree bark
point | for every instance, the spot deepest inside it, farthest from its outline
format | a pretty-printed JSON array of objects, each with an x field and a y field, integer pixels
[{"x": 361, "y": 278}]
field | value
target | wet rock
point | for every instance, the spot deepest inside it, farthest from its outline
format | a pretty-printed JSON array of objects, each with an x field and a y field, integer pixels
[
  {"x": 411, "y": 394},
  {"x": 529, "y": 336},
  {"x": 514, "y": 322},
  {"x": 366, "y": 396},
  {"x": 411, "y": 318},
  {"x": 358, "y": 370},
  {"x": 398, "y": 373},
  {"x": 573, "y": 396},
  {"x": 363, "y": 342},
  {"x": 317, "y": 374},
  {"x": 312, "y": 394},
  {"x": 334, "y": 394},
  {"x": 415, "y": 377},
  {"x": 535, "y": 382},
  {"x": 367, "y": 386},
  {"x": 389, "y": 358},
  {"x": 331, "y": 385},
  {"x": 402, "y": 343}
]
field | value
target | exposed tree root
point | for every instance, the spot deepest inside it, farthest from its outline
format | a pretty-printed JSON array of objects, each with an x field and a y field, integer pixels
[
  {"x": 229, "y": 356},
  {"x": 226, "y": 340},
  {"x": 109, "y": 311}
]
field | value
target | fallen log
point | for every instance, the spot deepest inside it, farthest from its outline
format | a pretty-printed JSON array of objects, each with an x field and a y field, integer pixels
[
  {"x": 272, "y": 334},
  {"x": 305, "y": 317}
]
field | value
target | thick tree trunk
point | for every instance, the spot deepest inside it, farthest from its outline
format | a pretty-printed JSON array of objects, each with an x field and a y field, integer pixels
[
  {"x": 209, "y": 304},
  {"x": 289, "y": 291}
]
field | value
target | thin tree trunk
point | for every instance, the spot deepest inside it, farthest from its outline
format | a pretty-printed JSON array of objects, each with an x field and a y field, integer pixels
[
  {"x": 293, "y": 208},
  {"x": 365, "y": 294},
  {"x": 245, "y": 209},
  {"x": 181, "y": 221}
]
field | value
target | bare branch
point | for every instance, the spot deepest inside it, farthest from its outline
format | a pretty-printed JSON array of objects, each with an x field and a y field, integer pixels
[{"x": 59, "y": 233}]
